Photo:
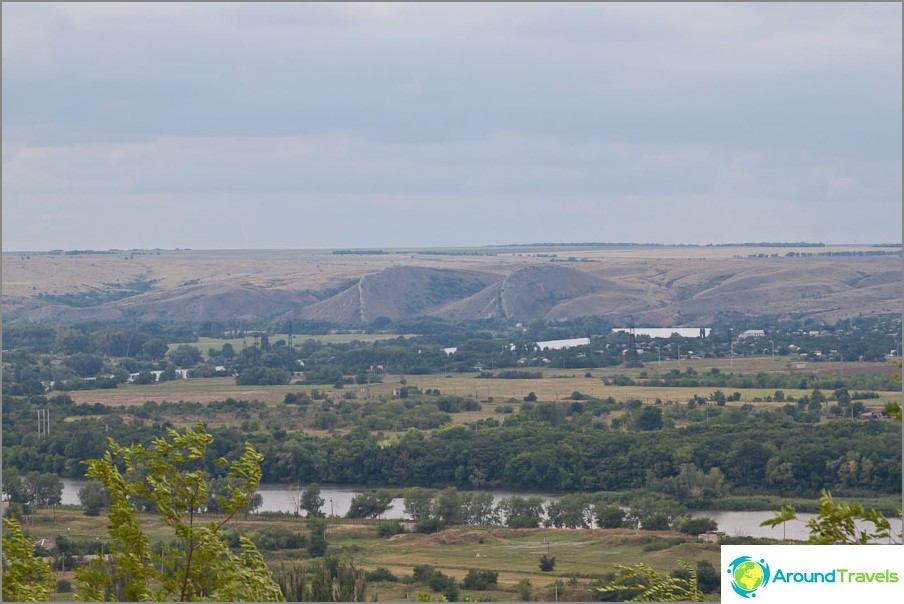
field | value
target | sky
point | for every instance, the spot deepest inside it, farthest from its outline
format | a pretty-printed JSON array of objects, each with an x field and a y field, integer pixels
[{"x": 309, "y": 125}]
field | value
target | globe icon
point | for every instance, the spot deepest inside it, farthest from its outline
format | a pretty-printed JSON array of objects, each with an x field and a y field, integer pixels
[{"x": 748, "y": 575}]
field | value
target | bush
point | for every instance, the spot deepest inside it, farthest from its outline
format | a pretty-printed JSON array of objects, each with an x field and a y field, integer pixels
[
  {"x": 696, "y": 526},
  {"x": 444, "y": 584},
  {"x": 428, "y": 525},
  {"x": 480, "y": 579},
  {"x": 421, "y": 573},
  {"x": 380, "y": 574},
  {"x": 272, "y": 539},
  {"x": 64, "y": 586},
  {"x": 262, "y": 376},
  {"x": 389, "y": 528},
  {"x": 547, "y": 563}
]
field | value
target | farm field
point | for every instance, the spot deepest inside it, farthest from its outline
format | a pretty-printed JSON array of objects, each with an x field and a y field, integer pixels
[
  {"x": 203, "y": 344},
  {"x": 555, "y": 385}
]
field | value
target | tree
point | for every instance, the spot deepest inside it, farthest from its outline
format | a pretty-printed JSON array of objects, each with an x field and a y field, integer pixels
[
  {"x": 369, "y": 504},
  {"x": 647, "y": 585},
  {"x": 418, "y": 503},
  {"x": 841, "y": 523},
  {"x": 186, "y": 356},
  {"x": 26, "y": 578},
  {"x": 311, "y": 501},
  {"x": 317, "y": 542},
  {"x": 478, "y": 509},
  {"x": 695, "y": 526},
  {"x": 648, "y": 418},
  {"x": 200, "y": 564},
  {"x": 520, "y": 512},
  {"x": 14, "y": 488},
  {"x": 144, "y": 377},
  {"x": 608, "y": 516},
  {"x": 653, "y": 511},
  {"x": 93, "y": 497},
  {"x": 571, "y": 511},
  {"x": 447, "y": 506},
  {"x": 85, "y": 364},
  {"x": 155, "y": 348},
  {"x": 45, "y": 490}
]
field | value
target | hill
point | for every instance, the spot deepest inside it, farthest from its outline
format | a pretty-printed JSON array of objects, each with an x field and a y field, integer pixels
[{"x": 655, "y": 286}]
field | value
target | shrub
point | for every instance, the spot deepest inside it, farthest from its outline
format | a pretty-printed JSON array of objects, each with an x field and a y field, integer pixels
[
  {"x": 480, "y": 579},
  {"x": 547, "y": 563},
  {"x": 389, "y": 528},
  {"x": 380, "y": 574}
]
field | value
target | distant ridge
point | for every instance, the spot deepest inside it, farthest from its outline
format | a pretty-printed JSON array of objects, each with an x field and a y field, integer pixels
[{"x": 825, "y": 284}]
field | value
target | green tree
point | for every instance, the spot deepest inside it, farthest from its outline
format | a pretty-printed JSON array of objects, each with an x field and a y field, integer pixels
[
  {"x": 85, "y": 364},
  {"x": 608, "y": 515},
  {"x": 369, "y": 504},
  {"x": 26, "y": 578},
  {"x": 447, "y": 506},
  {"x": 311, "y": 501},
  {"x": 648, "y": 418},
  {"x": 14, "y": 488},
  {"x": 647, "y": 585},
  {"x": 841, "y": 523},
  {"x": 186, "y": 356},
  {"x": 571, "y": 511},
  {"x": 155, "y": 348},
  {"x": 94, "y": 497},
  {"x": 199, "y": 565},
  {"x": 520, "y": 512},
  {"x": 418, "y": 502},
  {"x": 317, "y": 542}
]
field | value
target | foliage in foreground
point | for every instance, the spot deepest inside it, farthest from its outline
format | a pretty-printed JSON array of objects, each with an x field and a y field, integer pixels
[
  {"x": 26, "y": 578},
  {"x": 168, "y": 476},
  {"x": 647, "y": 585},
  {"x": 837, "y": 523}
]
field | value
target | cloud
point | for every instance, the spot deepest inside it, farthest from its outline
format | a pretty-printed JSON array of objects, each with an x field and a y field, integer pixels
[{"x": 646, "y": 118}]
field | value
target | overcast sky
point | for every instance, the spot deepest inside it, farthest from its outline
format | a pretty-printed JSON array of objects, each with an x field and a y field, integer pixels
[{"x": 364, "y": 125}]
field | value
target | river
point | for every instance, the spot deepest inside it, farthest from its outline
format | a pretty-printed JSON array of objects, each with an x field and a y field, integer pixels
[{"x": 337, "y": 500}]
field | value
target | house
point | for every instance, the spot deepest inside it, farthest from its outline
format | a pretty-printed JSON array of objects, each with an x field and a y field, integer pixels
[
  {"x": 668, "y": 332},
  {"x": 710, "y": 537},
  {"x": 562, "y": 344},
  {"x": 752, "y": 333}
]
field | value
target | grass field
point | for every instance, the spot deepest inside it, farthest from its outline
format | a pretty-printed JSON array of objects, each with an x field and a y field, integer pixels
[{"x": 514, "y": 553}]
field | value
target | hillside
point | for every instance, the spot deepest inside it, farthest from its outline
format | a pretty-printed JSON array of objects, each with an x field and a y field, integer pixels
[{"x": 654, "y": 286}]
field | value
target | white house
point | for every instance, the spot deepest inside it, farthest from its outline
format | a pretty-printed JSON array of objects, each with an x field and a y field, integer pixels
[
  {"x": 751, "y": 333},
  {"x": 667, "y": 332},
  {"x": 561, "y": 344}
]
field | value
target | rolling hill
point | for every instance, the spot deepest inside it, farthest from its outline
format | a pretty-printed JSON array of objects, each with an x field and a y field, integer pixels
[{"x": 655, "y": 287}]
